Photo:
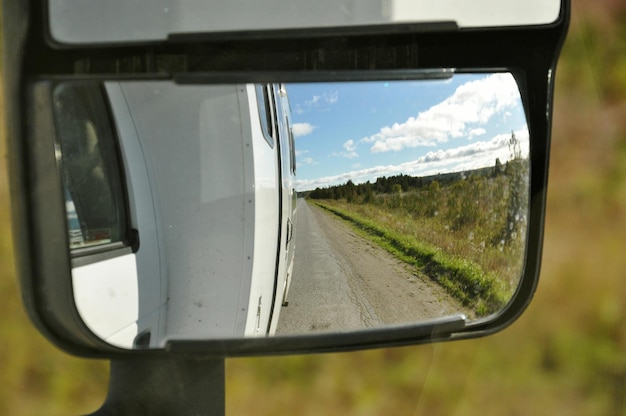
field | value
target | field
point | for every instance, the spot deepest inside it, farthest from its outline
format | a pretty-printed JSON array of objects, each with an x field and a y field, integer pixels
[
  {"x": 465, "y": 231},
  {"x": 565, "y": 355}
]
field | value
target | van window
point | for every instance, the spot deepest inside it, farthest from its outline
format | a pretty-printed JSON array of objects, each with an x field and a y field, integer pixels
[
  {"x": 292, "y": 147},
  {"x": 88, "y": 161},
  {"x": 265, "y": 113}
]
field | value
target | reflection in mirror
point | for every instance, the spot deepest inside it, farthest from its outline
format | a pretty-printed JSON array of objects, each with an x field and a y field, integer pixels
[{"x": 187, "y": 220}]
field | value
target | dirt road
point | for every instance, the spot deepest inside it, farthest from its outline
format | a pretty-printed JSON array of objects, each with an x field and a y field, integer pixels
[{"x": 342, "y": 282}]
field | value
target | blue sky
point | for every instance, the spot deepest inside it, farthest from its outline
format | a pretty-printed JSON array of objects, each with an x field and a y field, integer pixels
[{"x": 361, "y": 131}]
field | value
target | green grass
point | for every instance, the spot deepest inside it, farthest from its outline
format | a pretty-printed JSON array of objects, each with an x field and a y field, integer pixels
[{"x": 478, "y": 218}]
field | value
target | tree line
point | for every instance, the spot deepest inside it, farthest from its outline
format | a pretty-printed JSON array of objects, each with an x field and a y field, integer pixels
[{"x": 398, "y": 184}]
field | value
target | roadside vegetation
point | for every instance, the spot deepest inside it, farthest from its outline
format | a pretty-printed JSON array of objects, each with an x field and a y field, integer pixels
[{"x": 466, "y": 230}]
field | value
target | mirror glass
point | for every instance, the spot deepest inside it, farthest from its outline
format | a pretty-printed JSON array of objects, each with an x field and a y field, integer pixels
[
  {"x": 226, "y": 211},
  {"x": 95, "y": 21}
]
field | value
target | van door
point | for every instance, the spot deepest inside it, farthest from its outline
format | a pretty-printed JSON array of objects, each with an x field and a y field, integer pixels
[{"x": 287, "y": 200}]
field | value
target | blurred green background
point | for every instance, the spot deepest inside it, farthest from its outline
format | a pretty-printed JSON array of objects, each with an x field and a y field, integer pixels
[{"x": 565, "y": 355}]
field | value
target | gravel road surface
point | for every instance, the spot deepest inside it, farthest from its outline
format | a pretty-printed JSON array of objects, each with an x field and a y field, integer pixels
[{"x": 342, "y": 282}]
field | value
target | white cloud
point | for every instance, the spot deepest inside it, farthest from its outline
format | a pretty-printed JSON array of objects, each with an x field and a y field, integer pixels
[
  {"x": 357, "y": 176},
  {"x": 350, "y": 146},
  {"x": 462, "y": 114},
  {"x": 302, "y": 129},
  {"x": 476, "y": 132},
  {"x": 347, "y": 155},
  {"x": 318, "y": 102},
  {"x": 472, "y": 156},
  {"x": 476, "y": 155},
  {"x": 350, "y": 150},
  {"x": 302, "y": 161},
  {"x": 326, "y": 98}
]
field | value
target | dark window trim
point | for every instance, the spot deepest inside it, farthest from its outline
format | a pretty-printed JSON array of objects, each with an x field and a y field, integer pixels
[
  {"x": 292, "y": 145},
  {"x": 265, "y": 113},
  {"x": 96, "y": 254},
  {"x": 131, "y": 235}
]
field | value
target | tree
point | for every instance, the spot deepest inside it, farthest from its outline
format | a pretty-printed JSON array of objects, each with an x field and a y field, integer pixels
[
  {"x": 368, "y": 195},
  {"x": 499, "y": 169},
  {"x": 517, "y": 174}
]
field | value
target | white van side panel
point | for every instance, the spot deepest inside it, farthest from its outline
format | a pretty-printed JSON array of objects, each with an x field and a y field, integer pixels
[
  {"x": 143, "y": 213},
  {"x": 200, "y": 170},
  {"x": 110, "y": 285}
]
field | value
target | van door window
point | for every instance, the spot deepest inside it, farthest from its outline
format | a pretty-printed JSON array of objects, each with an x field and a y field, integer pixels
[
  {"x": 88, "y": 161},
  {"x": 265, "y": 113},
  {"x": 292, "y": 147}
]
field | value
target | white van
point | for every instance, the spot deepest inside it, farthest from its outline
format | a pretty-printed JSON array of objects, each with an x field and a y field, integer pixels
[{"x": 180, "y": 206}]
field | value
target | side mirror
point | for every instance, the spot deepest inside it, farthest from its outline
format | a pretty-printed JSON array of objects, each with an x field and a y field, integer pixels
[{"x": 246, "y": 182}]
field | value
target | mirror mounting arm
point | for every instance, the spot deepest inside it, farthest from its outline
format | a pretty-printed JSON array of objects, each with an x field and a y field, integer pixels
[{"x": 165, "y": 386}]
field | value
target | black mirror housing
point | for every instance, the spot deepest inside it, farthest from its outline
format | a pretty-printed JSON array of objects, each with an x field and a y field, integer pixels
[{"x": 33, "y": 62}]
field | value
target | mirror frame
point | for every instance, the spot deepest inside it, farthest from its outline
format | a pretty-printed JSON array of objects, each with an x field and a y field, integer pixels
[{"x": 403, "y": 52}]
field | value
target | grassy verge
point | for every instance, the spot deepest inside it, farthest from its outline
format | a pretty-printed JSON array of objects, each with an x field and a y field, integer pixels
[{"x": 464, "y": 280}]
